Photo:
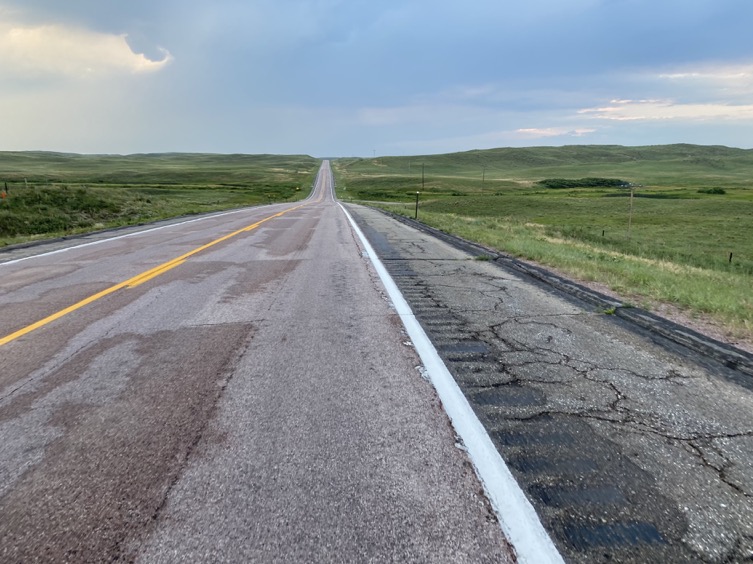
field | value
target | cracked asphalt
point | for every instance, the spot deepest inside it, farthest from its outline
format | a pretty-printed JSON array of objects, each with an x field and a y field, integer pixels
[
  {"x": 631, "y": 448},
  {"x": 254, "y": 402}
]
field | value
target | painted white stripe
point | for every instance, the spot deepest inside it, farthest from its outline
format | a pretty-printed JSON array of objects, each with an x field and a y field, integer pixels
[
  {"x": 115, "y": 238},
  {"x": 516, "y": 515}
]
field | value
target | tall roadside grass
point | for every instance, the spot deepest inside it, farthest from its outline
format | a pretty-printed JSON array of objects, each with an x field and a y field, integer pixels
[
  {"x": 725, "y": 297},
  {"x": 658, "y": 225}
]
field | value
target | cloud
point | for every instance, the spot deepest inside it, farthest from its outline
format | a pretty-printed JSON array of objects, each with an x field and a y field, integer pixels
[
  {"x": 730, "y": 82},
  {"x": 715, "y": 73},
  {"x": 391, "y": 76},
  {"x": 661, "y": 110},
  {"x": 535, "y": 133},
  {"x": 57, "y": 50}
]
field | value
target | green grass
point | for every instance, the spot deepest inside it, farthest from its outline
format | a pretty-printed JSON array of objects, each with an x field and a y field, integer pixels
[
  {"x": 52, "y": 194},
  {"x": 678, "y": 245}
]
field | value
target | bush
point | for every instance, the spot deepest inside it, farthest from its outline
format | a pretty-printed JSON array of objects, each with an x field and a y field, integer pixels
[
  {"x": 712, "y": 191},
  {"x": 558, "y": 183}
]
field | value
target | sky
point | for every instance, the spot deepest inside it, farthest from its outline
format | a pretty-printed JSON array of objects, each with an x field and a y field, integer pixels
[{"x": 339, "y": 78}]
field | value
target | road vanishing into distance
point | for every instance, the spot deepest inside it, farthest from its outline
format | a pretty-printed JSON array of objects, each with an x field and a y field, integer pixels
[
  {"x": 248, "y": 387},
  {"x": 232, "y": 389}
]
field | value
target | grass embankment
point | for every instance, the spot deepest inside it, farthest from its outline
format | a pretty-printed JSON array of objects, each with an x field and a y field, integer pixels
[
  {"x": 51, "y": 194},
  {"x": 694, "y": 208}
]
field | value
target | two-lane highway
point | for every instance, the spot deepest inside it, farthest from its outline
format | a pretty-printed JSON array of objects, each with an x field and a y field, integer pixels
[{"x": 234, "y": 388}]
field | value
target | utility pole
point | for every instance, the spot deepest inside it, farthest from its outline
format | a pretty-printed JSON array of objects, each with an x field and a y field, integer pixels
[{"x": 630, "y": 216}]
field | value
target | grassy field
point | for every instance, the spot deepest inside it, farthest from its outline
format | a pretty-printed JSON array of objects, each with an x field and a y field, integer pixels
[
  {"x": 693, "y": 207},
  {"x": 50, "y": 194}
]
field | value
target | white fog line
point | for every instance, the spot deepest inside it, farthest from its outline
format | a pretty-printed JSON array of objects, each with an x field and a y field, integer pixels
[
  {"x": 108, "y": 239},
  {"x": 516, "y": 515}
]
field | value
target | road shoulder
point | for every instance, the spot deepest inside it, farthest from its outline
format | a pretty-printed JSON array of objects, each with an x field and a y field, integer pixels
[{"x": 627, "y": 449}]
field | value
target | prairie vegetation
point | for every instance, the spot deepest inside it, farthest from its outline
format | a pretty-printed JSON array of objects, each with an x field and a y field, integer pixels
[
  {"x": 51, "y": 194},
  {"x": 666, "y": 224}
]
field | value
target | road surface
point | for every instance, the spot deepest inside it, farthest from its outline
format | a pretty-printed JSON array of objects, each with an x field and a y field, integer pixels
[
  {"x": 631, "y": 449},
  {"x": 235, "y": 388},
  {"x": 239, "y": 387}
]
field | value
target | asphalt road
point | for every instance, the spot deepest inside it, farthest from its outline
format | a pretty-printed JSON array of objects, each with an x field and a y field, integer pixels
[
  {"x": 238, "y": 388},
  {"x": 631, "y": 449},
  {"x": 235, "y": 388}
]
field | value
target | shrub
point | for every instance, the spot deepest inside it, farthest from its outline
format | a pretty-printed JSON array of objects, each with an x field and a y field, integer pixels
[{"x": 558, "y": 183}]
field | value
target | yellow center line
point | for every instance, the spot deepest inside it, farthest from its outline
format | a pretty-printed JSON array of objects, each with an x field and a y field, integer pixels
[
  {"x": 153, "y": 273},
  {"x": 138, "y": 279}
]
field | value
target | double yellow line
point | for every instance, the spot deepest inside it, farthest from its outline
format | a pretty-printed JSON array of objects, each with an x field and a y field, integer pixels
[{"x": 137, "y": 280}]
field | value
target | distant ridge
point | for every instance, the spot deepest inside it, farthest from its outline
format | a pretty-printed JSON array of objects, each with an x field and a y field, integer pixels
[
  {"x": 581, "y": 160},
  {"x": 548, "y": 156},
  {"x": 42, "y": 166}
]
